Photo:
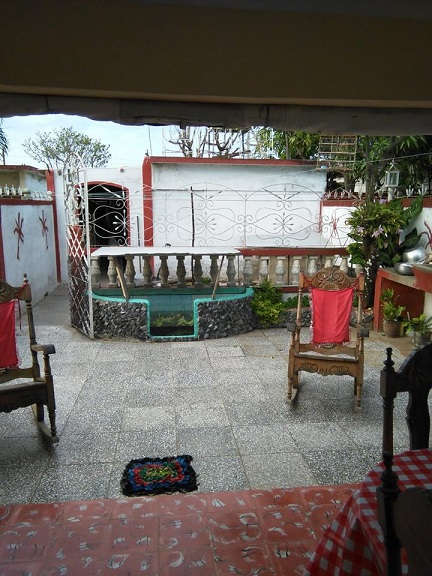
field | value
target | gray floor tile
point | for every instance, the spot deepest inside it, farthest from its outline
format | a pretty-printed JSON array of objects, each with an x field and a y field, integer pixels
[
  {"x": 201, "y": 415},
  {"x": 219, "y": 474},
  {"x": 320, "y": 436},
  {"x": 73, "y": 482},
  {"x": 150, "y": 443},
  {"x": 207, "y": 441},
  {"x": 148, "y": 418},
  {"x": 255, "y": 439},
  {"x": 272, "y": 470}
]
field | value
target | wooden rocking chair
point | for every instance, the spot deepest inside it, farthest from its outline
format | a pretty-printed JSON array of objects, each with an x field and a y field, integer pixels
[
  {"x": 406, "y": 516},
  {"x": 37, "y": 390},
  {"x": 329, "y": 352}
]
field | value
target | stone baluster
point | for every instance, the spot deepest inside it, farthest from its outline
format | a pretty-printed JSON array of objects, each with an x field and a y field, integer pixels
[
  {"x": 312, "y": 266},
  {"x": 214, "y": 268},
  {"x": 181, "y": 271},
  {"x": 163, "y": 271},
  {"x": 231, "y": 271},
  {"x": 280, "y": 270},
  {"x": 344, "y": 264},
  {"x": 264, "y": 268},
  {"x": 198, "y": 272},
  {"x": 95, "y": 272},
  {"x": 147, "y": 272},
  {"x": 295, "y": 270},
  {"x": 112, "y": 273},
  {"x": 247, "y": 271},
  {"x": 328, "y": 263},
  {"x": 130, "y": 271}
]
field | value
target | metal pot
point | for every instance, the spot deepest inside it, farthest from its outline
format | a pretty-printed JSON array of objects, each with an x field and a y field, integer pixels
[
  {"x": 403, "y": 268},
  {"x": 414, "y": 255}
]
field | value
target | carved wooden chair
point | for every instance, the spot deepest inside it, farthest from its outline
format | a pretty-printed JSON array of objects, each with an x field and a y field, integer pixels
[
  {"x": 28, "y": 386},
  {"x": 406, "y": 517},
  {"x": 329, "y": 351}
]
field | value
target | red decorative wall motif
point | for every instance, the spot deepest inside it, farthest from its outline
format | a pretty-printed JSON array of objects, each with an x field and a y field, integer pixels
[
  {"x": 43, "y": 221},
  {"x": 19, "y": 232}
]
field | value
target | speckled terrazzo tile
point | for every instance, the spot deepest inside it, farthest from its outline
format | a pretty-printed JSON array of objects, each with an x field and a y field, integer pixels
[
  {"x": 201, "y": 414},
  {"x": 145, "y": 444},
  {"x": 18, "y": 481},
  {"x": 14, "y": 449},
  {"x": 254, "y": 439},
  {"x": 245, "y": 413},
  {"x": 240, "y": 390},
  {"x": 234, "y": 377},
  {"x": 225, "y": 342},
  {"x": 220, "y": 473},
  {"x": 188, "y": 377},
  {"x": 74, "y": 370},
  {"x": 271, "y": 470},
  {"x": 266, "y": 350},
  {"x": 207, "y": 441},
  {"x": 198, "y": 395},
  {"x": 157, "y": 378},
  {"x": 233, "y": 364},
  {"x": 148, "y": 418},
  {"x": 338, "y": 466},
  {"x": 320, "y": 436},
  {"x": 146, "y": 396},
  {"x": 305, "y": 410},
  {"x": 93, "y": 421},
  {"x": 191, "y": 351},
  {"x": 73, "y": 482},
  {"x": 226, "y": 352},
  {"x": 84, "y": 448}
]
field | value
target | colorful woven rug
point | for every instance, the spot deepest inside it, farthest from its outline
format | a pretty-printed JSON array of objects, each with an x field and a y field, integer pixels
[{"x": 159, "y": 476}]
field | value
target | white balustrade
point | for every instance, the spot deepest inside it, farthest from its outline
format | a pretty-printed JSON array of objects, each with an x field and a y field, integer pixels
[
  {"x": 280, "y": 270},
  {"x": 275, "y": 268},
  {"x": 264, "y": 268}
]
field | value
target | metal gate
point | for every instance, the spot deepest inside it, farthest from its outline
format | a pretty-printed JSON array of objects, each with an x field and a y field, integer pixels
[{"x": 78, "y": 249}]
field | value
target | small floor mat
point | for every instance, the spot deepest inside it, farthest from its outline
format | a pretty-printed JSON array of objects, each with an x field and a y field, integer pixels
[{"x": 159, "y": 476}]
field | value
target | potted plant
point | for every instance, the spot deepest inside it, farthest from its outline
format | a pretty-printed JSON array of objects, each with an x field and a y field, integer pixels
[
  {"x": 421, "y": 329},
  {"x": 393, "y": 322}
]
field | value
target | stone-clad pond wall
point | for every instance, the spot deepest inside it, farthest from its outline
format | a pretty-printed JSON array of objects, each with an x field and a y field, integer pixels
[{"x": 217, "y": 318}]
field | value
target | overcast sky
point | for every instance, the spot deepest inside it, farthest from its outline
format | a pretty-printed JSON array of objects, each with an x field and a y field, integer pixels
[{"x": 127, "y": 144}]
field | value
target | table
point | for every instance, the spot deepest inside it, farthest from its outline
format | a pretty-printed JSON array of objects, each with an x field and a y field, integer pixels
[{"x": 353, "y": 544}]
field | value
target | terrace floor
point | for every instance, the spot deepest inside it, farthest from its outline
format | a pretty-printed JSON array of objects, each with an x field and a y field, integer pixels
[{"x": 271, "y": 476}]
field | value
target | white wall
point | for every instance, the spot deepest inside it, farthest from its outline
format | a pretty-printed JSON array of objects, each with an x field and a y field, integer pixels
[{"x": 35, "y": 256}]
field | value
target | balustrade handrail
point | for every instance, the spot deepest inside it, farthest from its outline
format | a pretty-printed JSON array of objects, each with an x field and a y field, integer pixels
[{"x": 249, "y": 265}]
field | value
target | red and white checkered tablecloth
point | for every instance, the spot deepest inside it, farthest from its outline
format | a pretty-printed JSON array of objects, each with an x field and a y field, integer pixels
[{"x": 353, "y": 544}]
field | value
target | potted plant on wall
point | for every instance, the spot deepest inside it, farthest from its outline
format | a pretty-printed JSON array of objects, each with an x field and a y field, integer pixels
[
  {"x": 421, "y": 329},
  {"x": 393, "y": 322}
]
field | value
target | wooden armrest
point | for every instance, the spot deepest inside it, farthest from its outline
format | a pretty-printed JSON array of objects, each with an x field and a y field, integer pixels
[{"x": 44, "y": 348}]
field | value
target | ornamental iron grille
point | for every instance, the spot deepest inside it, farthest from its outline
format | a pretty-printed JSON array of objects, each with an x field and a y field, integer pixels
[
  {"x": 97, "y": 214},
  {"x": 75, "y": 197}
]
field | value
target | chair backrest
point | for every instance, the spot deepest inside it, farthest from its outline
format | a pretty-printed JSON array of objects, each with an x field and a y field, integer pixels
[
  {"x": 415, "y": 377},
  {"x": 332, "y": 293},
  {"x": 406, "y": 517},
  {"x": 9, "y": 355}
]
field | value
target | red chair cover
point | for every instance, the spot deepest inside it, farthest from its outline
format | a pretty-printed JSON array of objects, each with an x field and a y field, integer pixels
[
  {"x": 8, "y": 349},
  {"x": 331, "y": 312}
]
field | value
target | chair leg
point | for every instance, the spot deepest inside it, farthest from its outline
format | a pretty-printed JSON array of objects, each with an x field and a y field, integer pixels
[
  {"x": 292, "y": 387},
  {"x": 49, "y": 434},
  {"x": 358, "y": 386}
]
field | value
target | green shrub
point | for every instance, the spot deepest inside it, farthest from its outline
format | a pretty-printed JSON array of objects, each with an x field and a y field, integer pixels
[{"x": 267, "y": 304}]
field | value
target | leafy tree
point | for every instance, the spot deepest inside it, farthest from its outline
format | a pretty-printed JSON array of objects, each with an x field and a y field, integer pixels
[
  {"x": 287, "y": 145},
  {"x": 4, "y": 143},
  {"x": 63, "y": 147}
]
